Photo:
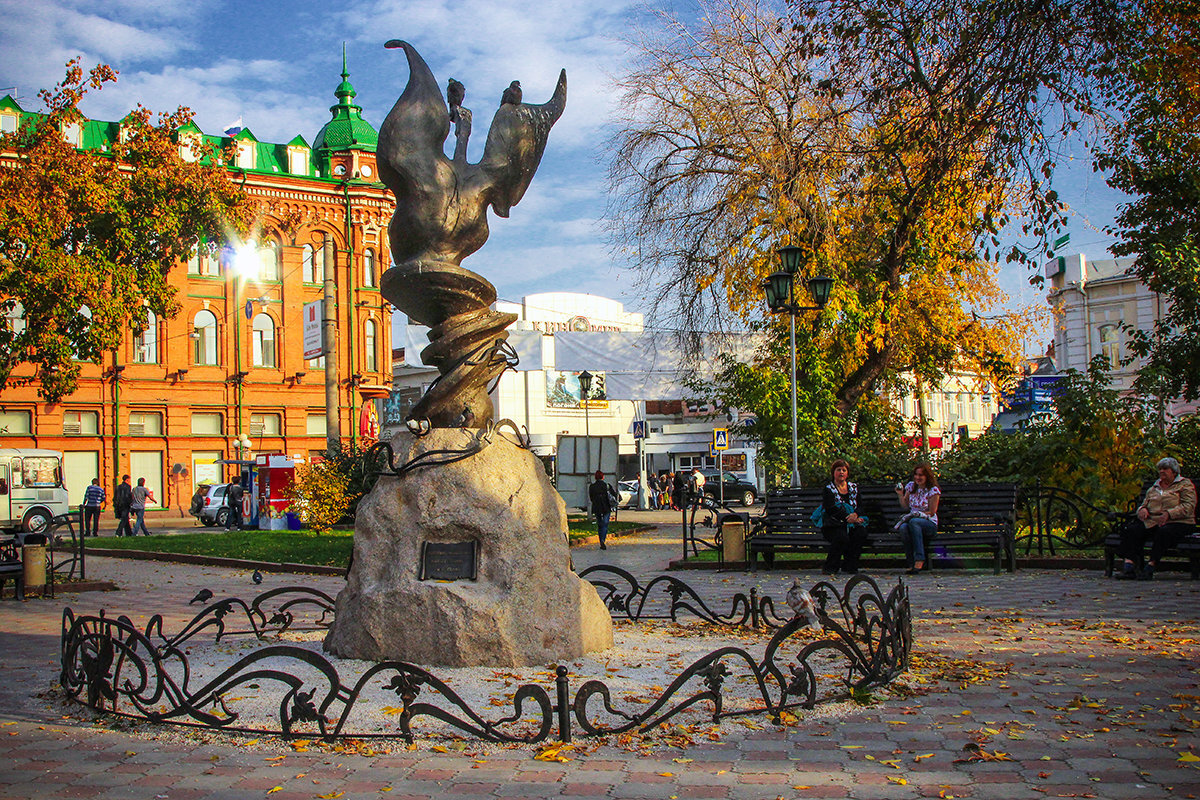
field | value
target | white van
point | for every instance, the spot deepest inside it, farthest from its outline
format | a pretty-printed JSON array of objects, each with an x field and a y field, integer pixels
[{"x": 31, "y": 488}]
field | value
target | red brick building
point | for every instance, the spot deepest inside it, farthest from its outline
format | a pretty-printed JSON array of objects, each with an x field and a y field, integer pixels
[{"x": 230, "y": 367}]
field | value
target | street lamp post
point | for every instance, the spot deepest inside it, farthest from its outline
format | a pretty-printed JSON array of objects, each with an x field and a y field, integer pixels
[
  {"x": 585, "y": 388},
  {"x": 780, "y": 289}
]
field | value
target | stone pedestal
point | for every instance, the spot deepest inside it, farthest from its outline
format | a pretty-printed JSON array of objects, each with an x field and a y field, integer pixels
[{"x": 525, "y": 607}]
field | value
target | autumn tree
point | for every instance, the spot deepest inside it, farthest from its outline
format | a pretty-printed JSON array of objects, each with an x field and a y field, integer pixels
[
  {"x": 321, "y": 493},
  {"x": 88, "y": 237},
  {"x": 1152, "y": 152},
  {"x": 893, "y": 141}
]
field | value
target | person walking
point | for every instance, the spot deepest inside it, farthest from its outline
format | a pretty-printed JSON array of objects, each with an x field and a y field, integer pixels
[
  {"x": 678, "y": 491},
  {"x": 94, "y": 501},
  {"x": 652, "y": 491},
  {"x": 141, "y": 493},
  {"x": 696, "y": 486},
  {"x": 602, "y": 496},
  {"x": 122, "y": 503},
  {"x": 233, "y": 499}
]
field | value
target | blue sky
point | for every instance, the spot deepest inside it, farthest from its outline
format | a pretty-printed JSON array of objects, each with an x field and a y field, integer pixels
[{"x": 275, "y": 65}]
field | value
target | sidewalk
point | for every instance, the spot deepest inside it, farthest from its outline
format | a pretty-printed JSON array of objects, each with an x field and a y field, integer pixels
[{"x": 1101, "y": 700}]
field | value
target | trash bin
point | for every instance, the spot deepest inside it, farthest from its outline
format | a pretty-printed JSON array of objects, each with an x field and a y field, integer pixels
[
  {"x": 733, "y": 537},
  {"x": 33, "y": 559},
  {"x": 293, "y": 521}
]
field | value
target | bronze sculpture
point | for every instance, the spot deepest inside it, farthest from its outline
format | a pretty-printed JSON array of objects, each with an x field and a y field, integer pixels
[{"x": 441, "y": 218}]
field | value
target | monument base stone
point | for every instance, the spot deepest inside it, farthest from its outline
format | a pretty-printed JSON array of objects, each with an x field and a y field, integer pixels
[{"x": 525, "y": 607}]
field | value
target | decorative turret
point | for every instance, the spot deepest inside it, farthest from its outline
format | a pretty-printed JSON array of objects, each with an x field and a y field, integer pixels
[{"x": 345, "y": 147}]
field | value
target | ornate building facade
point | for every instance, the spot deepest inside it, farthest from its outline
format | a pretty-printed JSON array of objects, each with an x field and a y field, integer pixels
[{"x": 228, "y": 377}]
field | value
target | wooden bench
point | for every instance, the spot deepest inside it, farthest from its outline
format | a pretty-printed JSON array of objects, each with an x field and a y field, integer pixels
[
  {"x": 12, "y": 568},
  {"x": 971, "y": 517},
  {"x": 1188, "y": 547}
]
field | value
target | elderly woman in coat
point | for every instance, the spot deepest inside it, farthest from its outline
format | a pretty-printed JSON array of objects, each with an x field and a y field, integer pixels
[{"x": 1166, "y": 515}]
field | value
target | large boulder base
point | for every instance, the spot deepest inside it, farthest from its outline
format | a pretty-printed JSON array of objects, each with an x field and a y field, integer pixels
[{"x": 526, "y": 606}]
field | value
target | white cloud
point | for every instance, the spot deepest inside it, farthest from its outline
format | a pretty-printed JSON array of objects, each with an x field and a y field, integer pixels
[{"x": 38, "y": 38}]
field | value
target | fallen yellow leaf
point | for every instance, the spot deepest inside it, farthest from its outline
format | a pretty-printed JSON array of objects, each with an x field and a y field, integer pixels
[
  {"x": 899, "y": 781},
  {"x": 274, "y": 789},
  {"x": 1189, "y": 757}
]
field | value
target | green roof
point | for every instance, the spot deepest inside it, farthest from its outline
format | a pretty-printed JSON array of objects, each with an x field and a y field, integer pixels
[{"x": 347, "y": 130}]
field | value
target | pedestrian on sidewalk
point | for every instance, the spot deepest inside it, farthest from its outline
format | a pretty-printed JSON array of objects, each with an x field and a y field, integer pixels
[
  {"x": 233, "y": 498},
  {"x": 602, "y": 496},
  {"x": 141, "y": 493},
  {"x": 94, "y": 501},
  {"x": 678, "y": 491},
  {"x": 122, "y": 502},
  {"x": 652, "y": 491}
]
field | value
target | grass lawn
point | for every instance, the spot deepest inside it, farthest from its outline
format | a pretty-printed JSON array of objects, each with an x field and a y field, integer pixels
[{"x": 295, "y": 547}]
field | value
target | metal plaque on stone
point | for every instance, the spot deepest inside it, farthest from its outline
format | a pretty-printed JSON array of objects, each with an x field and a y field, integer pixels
[{"x": 449, "y": 561}]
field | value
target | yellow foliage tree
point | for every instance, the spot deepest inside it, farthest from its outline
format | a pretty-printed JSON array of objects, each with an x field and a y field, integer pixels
[
  {"x": 890, "y": 140},
  {"x": 320, "y": 494}
]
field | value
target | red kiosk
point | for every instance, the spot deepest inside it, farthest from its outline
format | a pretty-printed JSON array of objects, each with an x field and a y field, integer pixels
[{"x": 275, "y": 474}]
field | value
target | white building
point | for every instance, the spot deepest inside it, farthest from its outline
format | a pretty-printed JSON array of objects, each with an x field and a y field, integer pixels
[
  {"x": 960, "y": 405},
  {"x": 546, "y": 401},
  {"x": 1092, "y": 300}
]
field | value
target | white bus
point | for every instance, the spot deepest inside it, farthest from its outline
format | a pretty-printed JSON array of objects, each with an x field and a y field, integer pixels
[{"x": 31, "y": 488}]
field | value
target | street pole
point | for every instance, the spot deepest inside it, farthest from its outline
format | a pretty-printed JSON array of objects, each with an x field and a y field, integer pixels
[
  {"x": 795, "y": 439},
  {"x": 333, "y": 431}
]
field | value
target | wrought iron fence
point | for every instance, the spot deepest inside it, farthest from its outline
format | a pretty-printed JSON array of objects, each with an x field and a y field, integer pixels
[
  {"x": 112, "y": 666},
  {"x": 1050, "y": 517}
]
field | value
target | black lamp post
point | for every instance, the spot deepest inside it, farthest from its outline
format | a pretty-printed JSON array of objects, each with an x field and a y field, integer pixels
[
  {"x": 780, "y": 289},
  {"x": 585, "y": 388}
]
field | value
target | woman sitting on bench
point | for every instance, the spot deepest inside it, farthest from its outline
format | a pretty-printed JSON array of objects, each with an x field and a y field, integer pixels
[
  {"x": 1166, "y": 515},
  {"x": 841, "y": 525},
  {"x": 920, "y": 496}
]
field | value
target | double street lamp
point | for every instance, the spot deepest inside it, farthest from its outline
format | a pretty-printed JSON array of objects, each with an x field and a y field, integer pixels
[{"x": 780, "y": 289}]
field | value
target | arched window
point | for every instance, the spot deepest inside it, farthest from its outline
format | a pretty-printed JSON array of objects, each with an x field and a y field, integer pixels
[
  {"x": 369, "y": 268},
  {"x": 370, "y": 363},
  {"x": 314, "y": 264},
  {"x": 307, "y": 258},
  {"x": 264, "y": 340},
  {"x": 145, "y": 344},
  {"x": 1110, "y": 345},
  {"x": 268, "y": 255},
  {"x": 204, "y": 338}
]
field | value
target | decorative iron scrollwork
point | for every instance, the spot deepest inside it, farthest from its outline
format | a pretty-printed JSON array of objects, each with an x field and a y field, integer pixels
[{"x": 110, "y": 665}]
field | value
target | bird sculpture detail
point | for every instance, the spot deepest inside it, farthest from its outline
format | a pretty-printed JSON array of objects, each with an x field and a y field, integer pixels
[
  {"x": 441, "y": 218},
  {"x": 512, "y": 95},
  {"x": 802, "y": 603}
]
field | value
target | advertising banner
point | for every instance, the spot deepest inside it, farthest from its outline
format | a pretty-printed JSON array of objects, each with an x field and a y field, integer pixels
[{"x": 313, "y": 341}]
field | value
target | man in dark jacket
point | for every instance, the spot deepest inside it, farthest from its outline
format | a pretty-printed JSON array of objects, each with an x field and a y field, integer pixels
[
  {"x": 233, "y": 499},
  {"x": 122, "y": 502},
  {"x": 601, "y": 496}
]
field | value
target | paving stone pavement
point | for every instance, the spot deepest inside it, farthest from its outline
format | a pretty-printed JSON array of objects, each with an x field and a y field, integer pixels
[{"x": 1102, "y": 699}]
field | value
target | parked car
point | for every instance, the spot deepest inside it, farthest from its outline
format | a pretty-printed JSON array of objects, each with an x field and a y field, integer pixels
[
  {"x": 736, "y": 489},
  {"x": 208, "y": 505},
  {"x": 627, "y": 494}
]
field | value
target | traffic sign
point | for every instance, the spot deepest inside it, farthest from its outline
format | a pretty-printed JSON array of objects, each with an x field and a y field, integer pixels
[
  {"x": 639, "y": 429},
  {"x": 720, "y": 439}
]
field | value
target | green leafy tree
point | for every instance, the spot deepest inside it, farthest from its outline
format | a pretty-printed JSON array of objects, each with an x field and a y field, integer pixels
[
  {"x": 1098, "y": 444},
  {"x": 1152, "y": 153},
  {"x": 88, "y": 237}
]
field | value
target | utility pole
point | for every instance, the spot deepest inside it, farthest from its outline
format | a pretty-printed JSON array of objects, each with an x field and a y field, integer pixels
[{"x": 333, "y": 431}]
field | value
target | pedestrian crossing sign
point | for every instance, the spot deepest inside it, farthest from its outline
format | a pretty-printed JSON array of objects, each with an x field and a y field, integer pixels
[
  {"x": 639, "y": 429},
  {"x": 721, "y": 439}
]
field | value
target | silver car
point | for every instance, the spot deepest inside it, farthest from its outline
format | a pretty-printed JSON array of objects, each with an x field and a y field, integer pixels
[{"x": 208, "y": 505}]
